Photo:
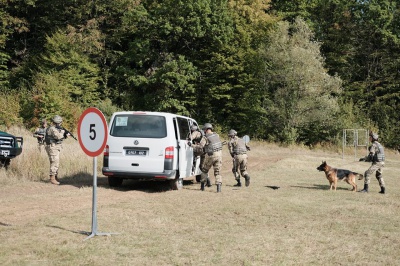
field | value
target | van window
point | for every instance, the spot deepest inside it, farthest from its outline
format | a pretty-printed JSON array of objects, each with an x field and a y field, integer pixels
[
  {"x": 139, "y": 126},
  {"x": 184, "y": 129}
]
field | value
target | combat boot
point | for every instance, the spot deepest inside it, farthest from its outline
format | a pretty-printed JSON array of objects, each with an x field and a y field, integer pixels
[
  {"x": 208, "y": 182},
  {"x": 202, "y": 186},
  {"x": 247, "y": 177},
  {"x": 365, "y": 190},
  {"x": 53, "y": 180},
  {"x": 239, "y": 184},
  {"x": 382, "y": 190},
  {"x": 219, "y": 188}
]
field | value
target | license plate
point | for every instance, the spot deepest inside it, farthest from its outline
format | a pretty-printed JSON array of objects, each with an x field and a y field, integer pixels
[
  {"x": 136, "y": 152},
  {"x": 5, "y": 153}
]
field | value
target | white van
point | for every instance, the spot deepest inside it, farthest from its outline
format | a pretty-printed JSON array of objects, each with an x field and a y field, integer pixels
[{"x": 149, "y": 146}]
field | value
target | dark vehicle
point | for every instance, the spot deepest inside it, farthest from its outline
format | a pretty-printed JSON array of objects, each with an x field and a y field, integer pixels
[{"x": 10, "y": 147}]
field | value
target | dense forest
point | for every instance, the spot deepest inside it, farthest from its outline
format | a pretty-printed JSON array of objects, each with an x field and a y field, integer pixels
[{"x": 295, "y": 71}]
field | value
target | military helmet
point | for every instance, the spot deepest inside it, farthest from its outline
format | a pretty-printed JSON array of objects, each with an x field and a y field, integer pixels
[
  {"x": 232, "y": 133},
  {"x": 374, "y": 135},
  {"x": 194, "y": 128},
  {"x": 57, "y": 119},
  {"x": 207, "y": 126}
]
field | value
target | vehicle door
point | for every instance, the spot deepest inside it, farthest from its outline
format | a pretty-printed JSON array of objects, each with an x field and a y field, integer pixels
[{"x": 185, "y": 152}]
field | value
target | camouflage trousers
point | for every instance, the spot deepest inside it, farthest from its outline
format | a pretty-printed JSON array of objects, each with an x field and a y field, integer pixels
[
  {"x": 53, "y": 151},
  {"x": 214, "y": 161},
  {"x": 378, "y": 168},
  {"x": 41, "y": 147},
  {"x": 239, "y": 166}
]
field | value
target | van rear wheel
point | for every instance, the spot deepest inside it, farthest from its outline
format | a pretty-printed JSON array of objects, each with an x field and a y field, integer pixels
[
  {"x": 176, "y": 184},
  {"x": 114, "y": 181}
]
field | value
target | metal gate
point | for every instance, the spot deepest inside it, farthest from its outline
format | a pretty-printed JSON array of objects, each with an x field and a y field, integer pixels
[{"x": 355, "y": 138}]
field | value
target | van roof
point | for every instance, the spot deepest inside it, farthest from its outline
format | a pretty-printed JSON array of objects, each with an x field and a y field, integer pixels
[{"x": 148, "y": 113}]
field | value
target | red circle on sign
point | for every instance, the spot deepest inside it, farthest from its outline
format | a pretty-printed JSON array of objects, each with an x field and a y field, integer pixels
[{"x": 96, "y": 111}]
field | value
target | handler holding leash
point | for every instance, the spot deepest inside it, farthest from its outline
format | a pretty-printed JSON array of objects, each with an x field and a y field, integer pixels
[
  {"x": 377, "y": 157},
  {"x": 238, "y": 150}
]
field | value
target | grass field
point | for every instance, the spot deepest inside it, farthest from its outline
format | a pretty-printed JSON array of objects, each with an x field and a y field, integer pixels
[{"x": 301, "y": 223}]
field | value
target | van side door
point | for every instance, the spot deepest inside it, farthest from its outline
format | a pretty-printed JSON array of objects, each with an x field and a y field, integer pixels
[{"x": 185, "y": 152}]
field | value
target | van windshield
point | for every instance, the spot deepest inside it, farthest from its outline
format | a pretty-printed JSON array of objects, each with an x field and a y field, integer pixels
[{"x": 139, "y": 126}]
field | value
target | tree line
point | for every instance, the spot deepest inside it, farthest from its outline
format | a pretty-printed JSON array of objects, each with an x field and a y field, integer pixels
[{"x": 285, "y": 71}]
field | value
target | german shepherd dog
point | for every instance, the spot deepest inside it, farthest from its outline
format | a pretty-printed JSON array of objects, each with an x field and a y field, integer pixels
[{"x": 334, "y": 175}]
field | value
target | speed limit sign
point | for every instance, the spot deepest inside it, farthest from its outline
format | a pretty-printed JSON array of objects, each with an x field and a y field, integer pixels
[{"x": 92, "y": 131}]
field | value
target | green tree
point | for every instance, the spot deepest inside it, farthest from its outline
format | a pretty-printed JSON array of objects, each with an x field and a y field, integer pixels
[
  {"x": 301, "y": 94},
  {"x": 65, "y": 76}
]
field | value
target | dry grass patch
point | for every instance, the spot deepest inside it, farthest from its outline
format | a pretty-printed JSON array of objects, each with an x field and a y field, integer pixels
[{"x": 301, "y": 223}]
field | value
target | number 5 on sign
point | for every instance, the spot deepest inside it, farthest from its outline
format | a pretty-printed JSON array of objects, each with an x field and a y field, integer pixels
[{"x": 92, "y": 132}]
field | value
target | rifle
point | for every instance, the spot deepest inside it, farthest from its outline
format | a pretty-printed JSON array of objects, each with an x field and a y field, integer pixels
[
  {"x": 37, "y": 135},
  {"x": 66, "y": 132},
  {"x": 367, "y": 158}
]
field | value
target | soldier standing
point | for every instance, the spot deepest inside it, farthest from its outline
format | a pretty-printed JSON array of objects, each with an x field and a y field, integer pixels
[
  {"x": 238, "y": 150},
  {"x": 53, "y": 139},
  {"x": 212, "y": 146},
  {"x": 377, "y": 157},
  {"x": 40, "y": 134}
]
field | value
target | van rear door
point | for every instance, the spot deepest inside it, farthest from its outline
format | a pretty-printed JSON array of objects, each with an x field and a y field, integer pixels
[{"x": 138, "y": 143}]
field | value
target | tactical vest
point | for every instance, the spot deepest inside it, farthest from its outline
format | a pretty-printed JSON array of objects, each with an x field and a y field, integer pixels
[
  {"x": 240, "y": 148},
  {"x": 198, "y": 138},
  {"x": 379, "y": 155},
  {"x": 214, "y": 143},
  {"x": 48, "y": 139},
  {"x": 42, "y": 131}
]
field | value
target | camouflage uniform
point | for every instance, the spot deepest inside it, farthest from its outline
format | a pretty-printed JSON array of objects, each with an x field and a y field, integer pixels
[
  {"x": 212, "y": 147},
  {"x": 54, "y": 138},
  {"x": 238, "y": 150},
  {"x": 377, "y": 157},
  {"x": 196, "y": 137},
  {"x": 40, "y": 134},
  {"x": 211, "y": 159}
]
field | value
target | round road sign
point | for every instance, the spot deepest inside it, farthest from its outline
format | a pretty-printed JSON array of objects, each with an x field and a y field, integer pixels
[{"x": 92, "y": 131}]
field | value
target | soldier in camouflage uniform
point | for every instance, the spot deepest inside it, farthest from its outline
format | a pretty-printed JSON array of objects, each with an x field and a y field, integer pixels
[
  {"x": 238, "y": 150},
  {"x": 212, "y": 146},
  {"x": 194, "y": 140},
  {"x": 40, "y": 134},
  {"x": 53, "y": 139},
  {"x": 377, "y": 157}
]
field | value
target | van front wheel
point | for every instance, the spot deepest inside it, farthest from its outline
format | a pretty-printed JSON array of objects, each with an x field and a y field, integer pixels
[
  {"x": 114, "y": 181},
  {"x": 176, "y": 184}
]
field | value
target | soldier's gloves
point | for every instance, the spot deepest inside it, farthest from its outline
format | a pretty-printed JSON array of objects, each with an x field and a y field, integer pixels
[
  {"x": 248, "y": 148},
  {"x": 362, "y": 159},
  {"x": 189, "y": 144}
]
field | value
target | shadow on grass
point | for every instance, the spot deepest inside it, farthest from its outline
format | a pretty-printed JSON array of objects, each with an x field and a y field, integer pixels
[
  {"x": 319, "y": 187},
  {"x": 4, "y": 224},
  {"x": 83, "y": 179},
  {"x": 68, "y": 230}
]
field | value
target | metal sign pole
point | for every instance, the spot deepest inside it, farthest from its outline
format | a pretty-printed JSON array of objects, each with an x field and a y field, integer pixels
[
  {"x": 92, "y": 132},
  {"x": 94, "y": 205}
]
